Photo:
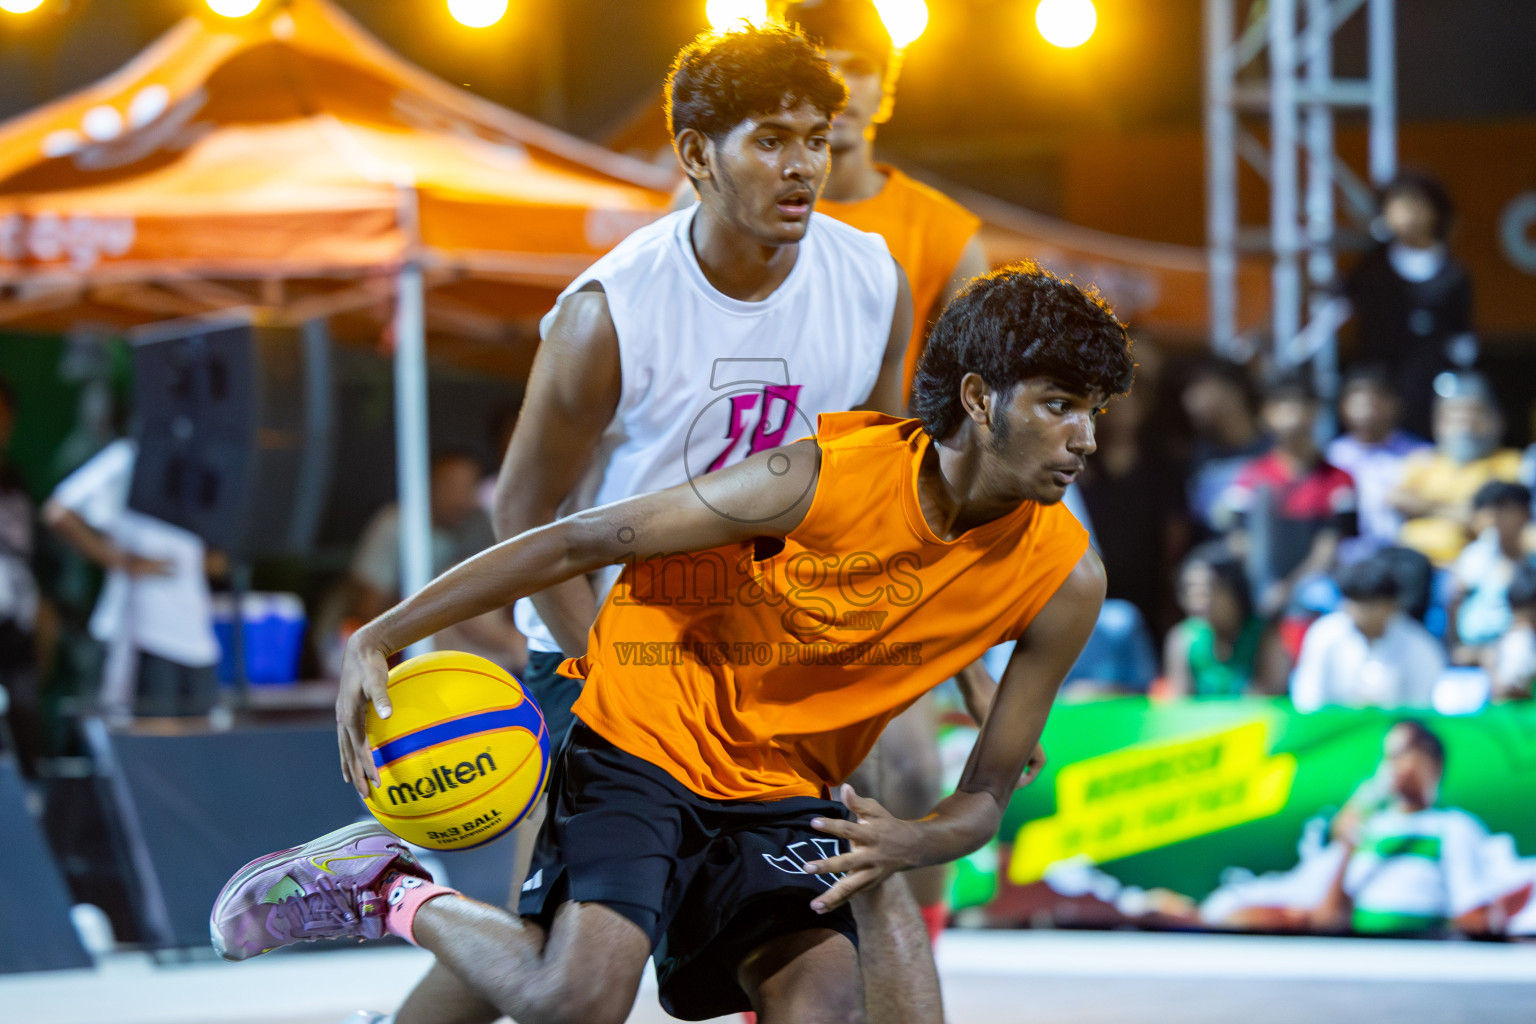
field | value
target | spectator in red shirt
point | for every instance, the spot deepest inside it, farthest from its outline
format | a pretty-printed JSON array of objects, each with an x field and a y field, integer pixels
[{"x": 1288, "y": 508}]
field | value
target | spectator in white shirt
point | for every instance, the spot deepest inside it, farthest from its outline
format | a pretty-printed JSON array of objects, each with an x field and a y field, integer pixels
[
  {"x": 155, "y": 613},
  {"x": 1367, "y": 654}
]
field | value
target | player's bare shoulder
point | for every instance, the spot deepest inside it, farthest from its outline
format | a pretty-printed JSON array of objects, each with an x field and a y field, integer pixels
[
  {"x": 583, "y": 317},
  {"x": 1074, "y": 607},
  {"x": 1087, "y": 582}
]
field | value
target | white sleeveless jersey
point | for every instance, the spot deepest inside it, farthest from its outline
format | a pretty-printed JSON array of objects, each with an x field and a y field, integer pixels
[{"x": 708, "y": 379}]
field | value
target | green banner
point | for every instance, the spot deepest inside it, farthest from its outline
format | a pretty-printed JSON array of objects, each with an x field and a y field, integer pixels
[{"x": 1171, "y": 794}]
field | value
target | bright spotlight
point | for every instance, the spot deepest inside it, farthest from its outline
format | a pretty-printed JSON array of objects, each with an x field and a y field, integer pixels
[
  {"x": 905, "y": 20},
  {"x": 1066, "y": 23},
  {"x": 20, "y": 6},
  {"x": 477, "y": 13},
  {"x": 233, "y": 8},
  {"x": 724, "y": 15}
]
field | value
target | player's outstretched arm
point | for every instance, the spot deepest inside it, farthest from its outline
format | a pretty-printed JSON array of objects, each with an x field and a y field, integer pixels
[
  {"x": 886, "y": 395},
  {"x": 765, "y": 495},
  {"x": 964, "y": 821},
  {"x": 573, "y": 391}
]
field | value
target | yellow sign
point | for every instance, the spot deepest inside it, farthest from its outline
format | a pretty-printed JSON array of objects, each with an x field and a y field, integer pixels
[{"x": 1155, "y": 795}]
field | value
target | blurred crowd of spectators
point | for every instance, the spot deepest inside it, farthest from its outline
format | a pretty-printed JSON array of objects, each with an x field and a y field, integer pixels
[
  {"x": 1357, "y": 572},
  {"x": 1372, "y": 552},
  {"x": 1374, "y": 568}
]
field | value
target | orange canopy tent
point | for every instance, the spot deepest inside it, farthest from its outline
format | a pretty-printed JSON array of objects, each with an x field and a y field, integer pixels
[
  {"x": 292, "y": 147},
  {"x": 291, "y": 162}
]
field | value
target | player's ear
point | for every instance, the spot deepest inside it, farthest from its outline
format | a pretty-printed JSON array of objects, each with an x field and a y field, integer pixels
[
  {"x": 976, "y": 399},
  {"x": 695, "y": 154}
]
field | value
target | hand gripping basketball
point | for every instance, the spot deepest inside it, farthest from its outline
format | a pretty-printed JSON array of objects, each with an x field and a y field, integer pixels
[{"x": 364, "y": 680}]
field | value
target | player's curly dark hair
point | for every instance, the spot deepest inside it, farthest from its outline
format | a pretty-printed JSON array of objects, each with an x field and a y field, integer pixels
[
  {"x": 722, "y": 78},
  {"x": 1019, "y": 322}
]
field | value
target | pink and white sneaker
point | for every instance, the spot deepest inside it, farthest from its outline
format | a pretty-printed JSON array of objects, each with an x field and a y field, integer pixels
[{"x": 329, "y": 888}]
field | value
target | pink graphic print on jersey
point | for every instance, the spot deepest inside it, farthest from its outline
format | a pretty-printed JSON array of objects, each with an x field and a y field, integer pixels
[{"x": 764, "y": 437}]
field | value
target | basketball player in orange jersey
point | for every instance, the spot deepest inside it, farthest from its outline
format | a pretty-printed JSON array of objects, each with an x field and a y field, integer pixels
[
  {"x": 937, "y": 243},
  {"x": 771, "y": 618},
  {"x": 699, "y": 339}
]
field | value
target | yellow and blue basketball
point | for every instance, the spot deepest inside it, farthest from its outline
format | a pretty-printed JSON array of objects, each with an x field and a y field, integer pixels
[{"x": 463, "y": 758}]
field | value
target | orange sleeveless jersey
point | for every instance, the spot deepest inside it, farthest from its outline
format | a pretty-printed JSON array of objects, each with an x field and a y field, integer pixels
[
  {"x": 926, "y": 231},
  {"x": 749, "y": 679}
]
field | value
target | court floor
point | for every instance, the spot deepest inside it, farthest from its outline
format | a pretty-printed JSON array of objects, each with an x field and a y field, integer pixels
[{"x": 989, "y": 978}]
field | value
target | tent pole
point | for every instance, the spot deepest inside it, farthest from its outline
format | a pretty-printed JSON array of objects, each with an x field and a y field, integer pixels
[{"x": 411, "y": 462}]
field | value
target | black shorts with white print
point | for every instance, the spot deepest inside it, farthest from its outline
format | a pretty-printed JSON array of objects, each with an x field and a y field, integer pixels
[{"x": 708, "y": 881}]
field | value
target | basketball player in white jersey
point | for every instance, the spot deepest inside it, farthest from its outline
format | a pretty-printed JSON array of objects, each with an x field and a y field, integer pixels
[{"x": 713, "y": 333}]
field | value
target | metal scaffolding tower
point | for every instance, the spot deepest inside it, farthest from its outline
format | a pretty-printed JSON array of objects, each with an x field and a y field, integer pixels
[{"x": 1296, "y": 103}]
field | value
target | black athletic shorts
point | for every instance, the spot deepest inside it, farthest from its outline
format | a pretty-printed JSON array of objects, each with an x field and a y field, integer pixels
[
  {"x": 708, "y": 881},
  {"x": 553, "y": 693}
]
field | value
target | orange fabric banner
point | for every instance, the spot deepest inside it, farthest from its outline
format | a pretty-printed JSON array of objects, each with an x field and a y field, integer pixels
[{"x": 296, "y": 145}]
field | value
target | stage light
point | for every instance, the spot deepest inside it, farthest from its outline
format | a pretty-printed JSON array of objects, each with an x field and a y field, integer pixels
[
  {"x": 1066, "y": 23},
  {"x": 477, "y": 13},
  {"x": 725, "y": 15},
  {"x": 20, "y": 6},
  {"x": 905, "y": 20},
  {"x": 233, "y": 8}
]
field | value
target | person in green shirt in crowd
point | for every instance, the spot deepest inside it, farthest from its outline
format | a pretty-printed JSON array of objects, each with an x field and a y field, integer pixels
[{"x": 1221, "y": 648}]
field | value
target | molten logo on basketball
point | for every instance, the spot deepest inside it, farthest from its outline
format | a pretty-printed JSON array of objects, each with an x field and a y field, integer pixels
[{"x": 440, "y": 779}]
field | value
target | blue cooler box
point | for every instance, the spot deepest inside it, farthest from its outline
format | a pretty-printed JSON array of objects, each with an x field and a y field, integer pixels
[{"x": 274, "y": 636}]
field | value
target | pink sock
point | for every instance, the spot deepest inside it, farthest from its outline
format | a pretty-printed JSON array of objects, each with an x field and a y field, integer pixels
[{"x": 406, "y": 894}]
